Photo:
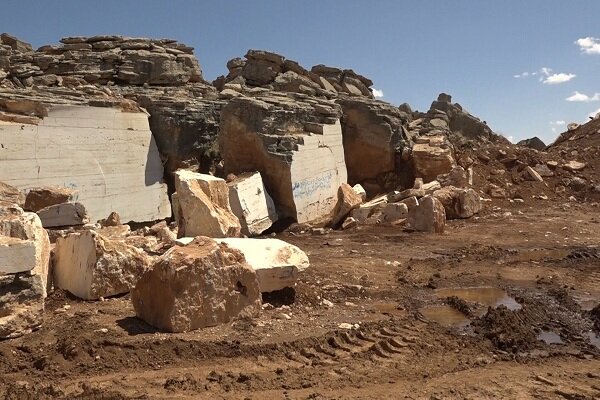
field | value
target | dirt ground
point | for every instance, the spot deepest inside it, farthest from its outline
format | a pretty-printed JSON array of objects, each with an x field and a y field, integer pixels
[{"x": 535, "y": 268}]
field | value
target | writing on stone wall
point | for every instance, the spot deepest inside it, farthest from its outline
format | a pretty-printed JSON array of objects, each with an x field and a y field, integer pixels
[{"x": 307, "y": 187}]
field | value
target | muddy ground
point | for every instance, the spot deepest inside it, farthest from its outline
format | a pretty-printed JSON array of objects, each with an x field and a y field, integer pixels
[{"x": 535, "y": 268}]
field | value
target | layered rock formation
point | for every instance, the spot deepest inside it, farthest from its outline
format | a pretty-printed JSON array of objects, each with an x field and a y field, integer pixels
[{"x": 295, "y": 143}]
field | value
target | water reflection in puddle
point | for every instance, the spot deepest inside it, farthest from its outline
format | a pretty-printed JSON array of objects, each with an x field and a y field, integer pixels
[
  {"x": 450, "y": 317},
  {"x": 445, "y": 316},
  {"x": 549, "y": 337},
  {"x": 489, "y": 296}
]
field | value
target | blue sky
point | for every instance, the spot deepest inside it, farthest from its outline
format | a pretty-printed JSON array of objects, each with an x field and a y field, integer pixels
[{"x": 412, "y": 50}]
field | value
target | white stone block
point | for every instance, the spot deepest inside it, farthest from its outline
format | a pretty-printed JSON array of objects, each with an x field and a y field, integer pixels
[
  {"x": 277, "y": 263},
  {"x": 251, "y": 203},
  {"x": 16, "y": 255}
]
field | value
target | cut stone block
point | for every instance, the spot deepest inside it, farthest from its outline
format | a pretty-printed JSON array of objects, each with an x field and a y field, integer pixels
[
  {"x": 16, "y": 255},
  {"x": 42, "y": 197},
  {"x": 18, "y": 225},
  {"x": 411, "y": 202},
  {"x": 251, "y": 203},
  {"x": 394, "y": 211},
  {"x": 276, "y": 263},
  {"x": 366, "y": 210},
  {"x": 65, "y": 214},
  {"x": 108, "y": 155},
  {"x": 195, "y": 286},
  {"x": 203, "y": 202},
  {"x": 532, "y": 175},
  {"x": 91, "y": 266},
  {"x": 429, "y": 216}
]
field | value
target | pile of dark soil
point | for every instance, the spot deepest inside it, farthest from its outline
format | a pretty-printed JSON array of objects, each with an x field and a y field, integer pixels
[
  {"x": 506, "y": 329},
  {"x": 459, "y": 305}
]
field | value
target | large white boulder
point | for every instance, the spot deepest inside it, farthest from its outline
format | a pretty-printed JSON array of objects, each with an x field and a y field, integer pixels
[
  {"x": 195, "y": 286},
  {"x": 251, "y": 203},
  {"x": 276, "y": 263},
  {"x": 203, "y": 206},
  {"x": 91, "y": 266}
]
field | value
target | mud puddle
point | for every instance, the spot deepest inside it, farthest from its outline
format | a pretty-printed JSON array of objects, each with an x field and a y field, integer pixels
[
  {"x": 448, "y": 316},
  {"x": 488, "y": 296},
  {"x": 549, "y": 337},
  {"x": 445, "y": 316}
]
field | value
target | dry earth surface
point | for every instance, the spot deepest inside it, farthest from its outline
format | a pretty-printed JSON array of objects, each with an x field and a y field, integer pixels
[{"x": 536, "y": 265}]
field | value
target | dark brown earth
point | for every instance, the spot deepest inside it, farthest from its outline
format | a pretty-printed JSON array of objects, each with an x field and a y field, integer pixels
[{"x": 545, "y": 256}]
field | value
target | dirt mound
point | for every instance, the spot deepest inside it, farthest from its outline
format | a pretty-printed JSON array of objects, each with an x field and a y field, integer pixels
[
  {"x": 506, "y": 329},
  {"x": 459, "y": 305}
]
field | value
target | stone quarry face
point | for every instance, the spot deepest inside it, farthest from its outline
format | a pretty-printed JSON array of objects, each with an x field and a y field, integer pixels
[
  {"x": 428, "y": 216},
  {"x": 296, "y": 146},
  {"x": 108, "y": 155},
  {"x": 198, "y": 285},
  {"x": 203, "y": 206},
  {"x": 251, "y": 203},
  {"x": 277, "y": 264},
  {"x": 91, "y": 266}
]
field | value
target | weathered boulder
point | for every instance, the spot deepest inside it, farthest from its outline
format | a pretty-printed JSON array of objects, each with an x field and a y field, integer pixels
[
  {"x": 277, "y": 264},
  {"x": 432, "y": 156},
  {"x": 42, "y": 197},
  {"x": 359, "y": 190},
  {"x": 428, "y": 216},
  {"x": 574, "y": 166},
  {"x": 11, "y": 194},
  {"x": 348, "y": 200},
  {"x": 203, "y": 202},
  {"x": 251, "y": 203},
  {"x": 195, "y": 286},
  {"x": 65, "y": 214},
  {"x": 458, "y": 203},
  {"x": 393, "y": 212},
  {"x": 368, "y": 209},
  {"x": 532, "y": 175},
  {"x": 91, "y": 266},
  {"x": 296, "y": 146},
  {"x": 533, "y": 143}
]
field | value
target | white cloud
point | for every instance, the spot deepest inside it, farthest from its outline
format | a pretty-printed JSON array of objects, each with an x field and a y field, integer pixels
[
  {"x": 559, "y": 122},
  {"x": 377, "y": 93},
  {"x": 593, "y": 113},
  {"x": 523, "y": 75},
  {"x": 589, "y": 45},
  {"x": 555, "y": 79},
  {"x": 583, "y": 98}
]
